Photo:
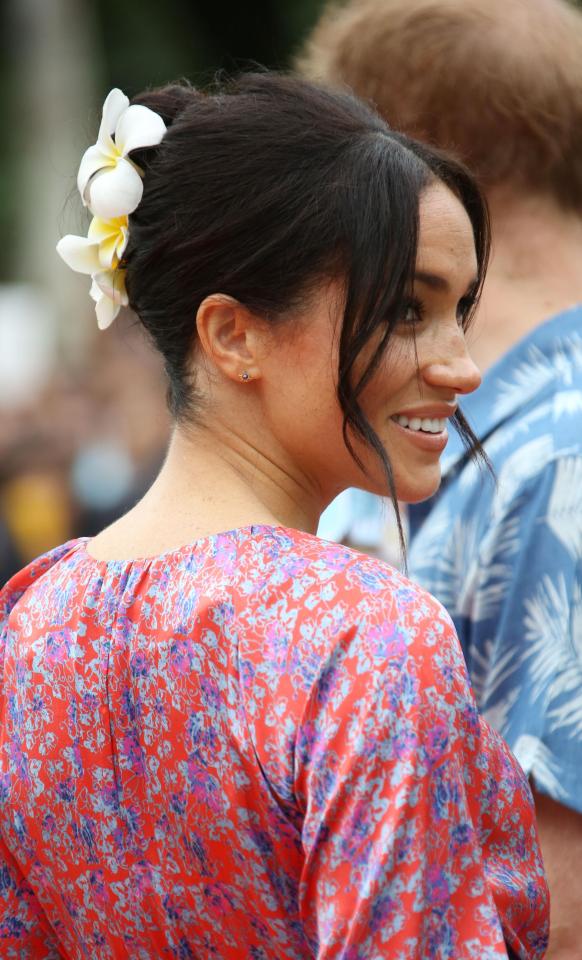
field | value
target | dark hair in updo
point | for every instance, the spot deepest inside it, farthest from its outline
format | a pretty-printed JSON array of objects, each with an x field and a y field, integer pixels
[{"x": 266, "y": 186}]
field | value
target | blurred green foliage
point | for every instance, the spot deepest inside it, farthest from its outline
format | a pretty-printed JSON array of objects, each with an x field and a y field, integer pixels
[
  {"x": 8, "y": 159},
  {"x": 152, "y": 43}
]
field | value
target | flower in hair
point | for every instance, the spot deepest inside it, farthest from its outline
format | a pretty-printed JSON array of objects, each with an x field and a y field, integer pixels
[
  {"x": 110, "y": 184},
  {"x": 111, "y": 187},
  {"x": 99, "y": 255}
]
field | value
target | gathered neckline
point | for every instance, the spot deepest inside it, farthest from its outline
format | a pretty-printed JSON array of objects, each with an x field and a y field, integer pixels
[{"x": 249, "y": 529}]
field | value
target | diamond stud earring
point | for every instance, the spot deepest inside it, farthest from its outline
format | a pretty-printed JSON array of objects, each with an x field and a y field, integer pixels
[{"x": 245, "y": 376}]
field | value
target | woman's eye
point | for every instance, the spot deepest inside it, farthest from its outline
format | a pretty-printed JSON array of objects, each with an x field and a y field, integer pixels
[
  {"x": 413, "y": 312},
  {"x": 464, "y": 309}
]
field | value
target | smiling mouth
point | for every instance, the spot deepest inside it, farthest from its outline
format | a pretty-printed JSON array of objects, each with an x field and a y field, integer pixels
[{"x": 421, "y": 425}]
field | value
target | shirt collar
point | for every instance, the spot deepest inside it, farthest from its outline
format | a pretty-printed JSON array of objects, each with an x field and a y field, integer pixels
[{"x": 525, "y": 373}]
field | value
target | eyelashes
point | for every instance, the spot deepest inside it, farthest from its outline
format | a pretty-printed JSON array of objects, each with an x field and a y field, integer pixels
[
  {"x": 414, "y": 311},
  {"x": 465, "y": 308}
]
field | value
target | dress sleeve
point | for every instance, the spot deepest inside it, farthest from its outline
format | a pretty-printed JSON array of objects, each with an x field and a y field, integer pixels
[
  {"x": 524, "y": 627},
  {"x": 418, "y": 830},
  {"x": 13, "y": 589},
  {"x": 24, "y": 930}
]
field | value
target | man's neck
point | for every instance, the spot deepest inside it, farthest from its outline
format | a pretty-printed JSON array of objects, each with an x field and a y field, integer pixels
[{"x": 535, "y": 272}]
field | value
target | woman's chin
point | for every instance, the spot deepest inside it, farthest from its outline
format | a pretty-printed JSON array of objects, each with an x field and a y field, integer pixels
[{"x": 415, "y": 491}]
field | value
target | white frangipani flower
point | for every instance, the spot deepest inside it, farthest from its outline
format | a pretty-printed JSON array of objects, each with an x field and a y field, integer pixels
[
  {"x": 109, "y": 293},
  {"x": 101, "y": 249},
  {"x": 111, "y": 186},
  {"x": 112, "y": 236},
  {"x": 109, "y": 183},
  {"x": 99, "y": 255}
]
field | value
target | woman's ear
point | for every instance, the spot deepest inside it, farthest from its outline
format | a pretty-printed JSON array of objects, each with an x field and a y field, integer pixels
[{"x": 229, "y": 337}]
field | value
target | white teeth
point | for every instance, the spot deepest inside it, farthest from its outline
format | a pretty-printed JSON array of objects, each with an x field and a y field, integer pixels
[{"x": 426, "y": 424}]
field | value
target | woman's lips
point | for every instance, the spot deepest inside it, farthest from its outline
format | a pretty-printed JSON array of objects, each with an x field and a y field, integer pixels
[{"x": 432, "y": 442}]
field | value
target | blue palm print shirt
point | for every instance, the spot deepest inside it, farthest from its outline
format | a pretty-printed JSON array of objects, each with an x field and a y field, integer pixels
[{"x": 506, "y": 559}]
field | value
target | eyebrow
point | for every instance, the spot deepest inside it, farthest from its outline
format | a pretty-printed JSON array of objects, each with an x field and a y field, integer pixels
[{"x": 435, "y": 282}]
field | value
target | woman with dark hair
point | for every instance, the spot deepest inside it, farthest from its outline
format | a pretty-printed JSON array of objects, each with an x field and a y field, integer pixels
[{"x": 222, "y": 736}]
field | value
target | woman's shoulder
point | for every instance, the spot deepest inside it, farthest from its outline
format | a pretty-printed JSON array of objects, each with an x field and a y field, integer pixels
[
  {"x": 363, "y": 578},
  {"x": 327, "y": 597},
  {"x": 18, "y": 584},
  {"x": 343, "y": 633}
]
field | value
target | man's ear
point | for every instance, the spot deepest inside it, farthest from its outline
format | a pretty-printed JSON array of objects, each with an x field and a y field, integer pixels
[{"x": 229, "y": 337}]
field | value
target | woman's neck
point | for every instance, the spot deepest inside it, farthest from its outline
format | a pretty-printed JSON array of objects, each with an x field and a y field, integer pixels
[{"x": 208, "y": 484}]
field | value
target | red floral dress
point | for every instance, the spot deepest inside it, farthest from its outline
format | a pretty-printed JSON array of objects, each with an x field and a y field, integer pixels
[{"x": 259, "y": 746}]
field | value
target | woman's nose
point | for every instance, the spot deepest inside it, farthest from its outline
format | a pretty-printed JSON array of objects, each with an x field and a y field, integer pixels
[{"x": 454, "y": 368}]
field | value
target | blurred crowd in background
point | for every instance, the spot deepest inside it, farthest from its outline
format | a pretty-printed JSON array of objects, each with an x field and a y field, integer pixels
[
  {"x": 80, "y": 447},
  {"x": 83, "y": 421}
]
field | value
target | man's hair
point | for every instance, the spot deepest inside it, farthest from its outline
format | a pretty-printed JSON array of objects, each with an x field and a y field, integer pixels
[{"x": 498, "y": 82}]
